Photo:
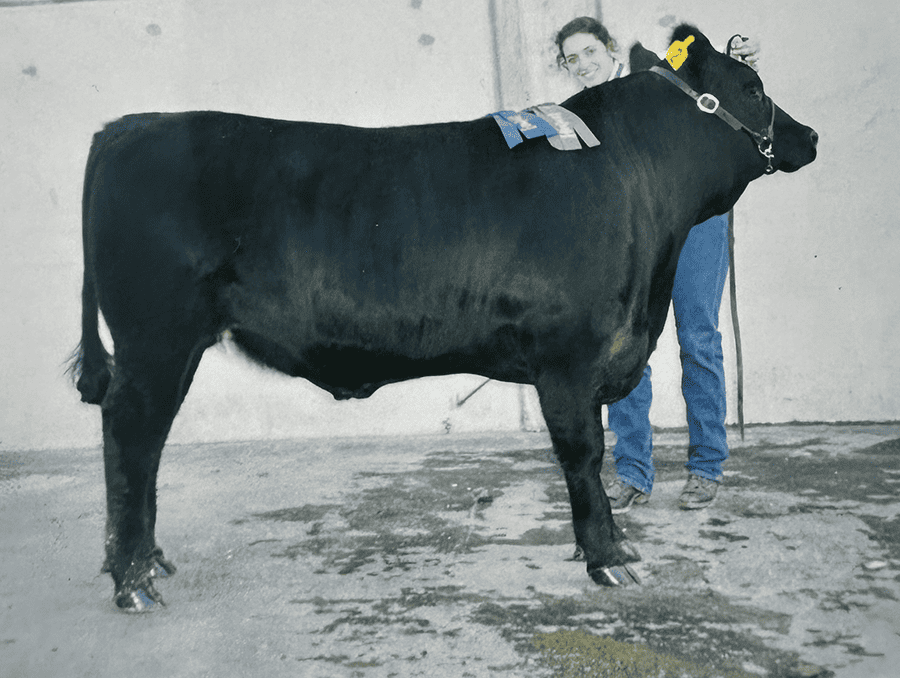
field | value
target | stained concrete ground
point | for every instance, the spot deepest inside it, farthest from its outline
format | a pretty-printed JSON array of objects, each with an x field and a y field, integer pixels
[{"x": 450, "y": 556}]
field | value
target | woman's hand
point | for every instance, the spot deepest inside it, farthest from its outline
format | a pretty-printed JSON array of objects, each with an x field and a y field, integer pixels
[{"x": 745, "y": 50}]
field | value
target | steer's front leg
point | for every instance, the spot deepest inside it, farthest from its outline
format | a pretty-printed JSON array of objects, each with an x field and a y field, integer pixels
[
  {"x": 577, "y": 434},
  {"x": 604, "y": 545}
]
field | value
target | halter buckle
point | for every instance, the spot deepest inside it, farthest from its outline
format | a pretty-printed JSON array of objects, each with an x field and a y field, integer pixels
[{"x": 707, "y": 103}]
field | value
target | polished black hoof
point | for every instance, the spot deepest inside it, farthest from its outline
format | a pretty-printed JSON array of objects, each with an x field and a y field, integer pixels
[
  {"x": 137, "y": 593},
  {"x": 143, "y": 599},
  {"x": 614, "y": 576}
]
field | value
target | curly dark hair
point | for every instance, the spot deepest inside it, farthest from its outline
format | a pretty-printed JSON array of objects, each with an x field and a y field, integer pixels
[{"x": 583, "y": 24}]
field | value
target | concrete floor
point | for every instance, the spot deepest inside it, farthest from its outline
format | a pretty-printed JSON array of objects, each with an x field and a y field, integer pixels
[{"x": 449, "y": 556}]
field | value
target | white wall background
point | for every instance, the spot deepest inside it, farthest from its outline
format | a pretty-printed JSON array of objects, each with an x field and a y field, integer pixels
[{"x": 817, "y": 253}]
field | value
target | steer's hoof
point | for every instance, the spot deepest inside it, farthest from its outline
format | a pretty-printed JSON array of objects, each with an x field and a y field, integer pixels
[
  {"x": 144, "y": 599},
  {"x": 614, "y": 575},
  {"x": 135, "y": 591}
]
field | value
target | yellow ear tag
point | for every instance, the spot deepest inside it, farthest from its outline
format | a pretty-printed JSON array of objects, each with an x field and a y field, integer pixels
[{"x": 677, "y": 52}]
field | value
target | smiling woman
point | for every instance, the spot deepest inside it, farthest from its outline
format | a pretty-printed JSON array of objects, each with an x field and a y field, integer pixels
[{"x": 586, "y": 50}]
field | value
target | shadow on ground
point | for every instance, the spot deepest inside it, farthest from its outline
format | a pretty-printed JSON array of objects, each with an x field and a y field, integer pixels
[{"x": 451, "y": 556}]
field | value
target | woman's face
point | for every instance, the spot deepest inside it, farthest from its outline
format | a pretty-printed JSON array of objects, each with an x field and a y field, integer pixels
[{"x": 587, "y": 59}]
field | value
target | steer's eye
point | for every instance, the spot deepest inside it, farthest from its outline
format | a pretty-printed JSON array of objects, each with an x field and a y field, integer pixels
[{"x": 754, "y": 92}]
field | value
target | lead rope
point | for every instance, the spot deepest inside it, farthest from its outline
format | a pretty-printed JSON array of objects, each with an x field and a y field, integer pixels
[{"x": 736, "y": 325}]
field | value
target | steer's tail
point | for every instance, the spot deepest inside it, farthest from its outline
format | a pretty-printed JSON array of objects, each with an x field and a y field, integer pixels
[{"x": 90, "y": 364}]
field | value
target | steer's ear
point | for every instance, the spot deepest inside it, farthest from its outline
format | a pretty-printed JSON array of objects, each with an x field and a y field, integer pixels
[
  {"x": 691, "y": 48},
  {"x": 700, "y": 43}
]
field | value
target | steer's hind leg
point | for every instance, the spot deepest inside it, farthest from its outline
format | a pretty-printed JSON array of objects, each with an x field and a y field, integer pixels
[
  {"x": 147, "y": 388},
  {"x": 572, "y": 414}
]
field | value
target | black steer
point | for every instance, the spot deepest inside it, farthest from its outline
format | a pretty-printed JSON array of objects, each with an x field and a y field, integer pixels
[{"x": 359, "y": 257}]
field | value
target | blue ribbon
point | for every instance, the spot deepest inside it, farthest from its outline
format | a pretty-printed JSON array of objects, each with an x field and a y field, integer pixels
[{"x": 516, "y": 124}]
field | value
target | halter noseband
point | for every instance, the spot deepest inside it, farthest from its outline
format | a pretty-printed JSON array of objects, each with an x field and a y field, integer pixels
[{"x": 710, "y": 104}]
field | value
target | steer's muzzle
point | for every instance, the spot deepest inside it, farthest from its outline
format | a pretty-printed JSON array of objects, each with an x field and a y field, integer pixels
[{"x": 795, "y": 144}]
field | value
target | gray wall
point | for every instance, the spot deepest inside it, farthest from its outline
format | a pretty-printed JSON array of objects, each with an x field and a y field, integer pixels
[{"x": 817, "y": 250}]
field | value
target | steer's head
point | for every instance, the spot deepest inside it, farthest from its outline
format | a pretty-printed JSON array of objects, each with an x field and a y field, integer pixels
[{"x": 780, "y": 141}]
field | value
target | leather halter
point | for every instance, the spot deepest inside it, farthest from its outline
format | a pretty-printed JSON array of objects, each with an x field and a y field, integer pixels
[{"x": 710, "y": 104}]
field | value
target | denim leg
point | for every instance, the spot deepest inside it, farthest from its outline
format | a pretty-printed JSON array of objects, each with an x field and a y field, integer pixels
[
  {"x": 696, "y": 297},
  {"x": 629, "y": 419}
]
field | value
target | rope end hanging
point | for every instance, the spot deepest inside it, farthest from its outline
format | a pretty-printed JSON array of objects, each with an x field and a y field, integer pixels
[{"x": 738, "y": 353}]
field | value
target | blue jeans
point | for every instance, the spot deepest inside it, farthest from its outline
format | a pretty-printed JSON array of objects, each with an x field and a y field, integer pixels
[{"x": 696, "y": 297}]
